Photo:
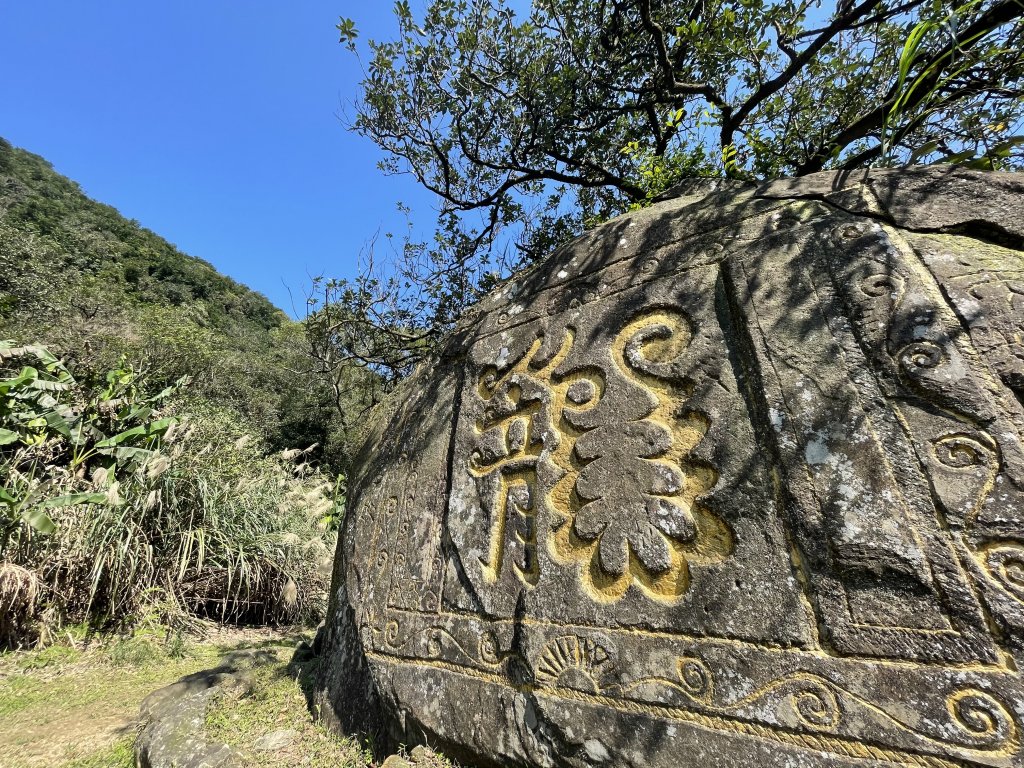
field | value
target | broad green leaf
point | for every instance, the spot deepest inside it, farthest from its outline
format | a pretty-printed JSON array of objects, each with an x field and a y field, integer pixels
[
  {"x": 7, "y": 436},
  {"x": 147, "y": 430},
  {"x": 27, "y": 374},
  {"x": 45, "y": 385},
  {"x": 58, "y": 423},
  {"x": 125, "y": 454},
  {"x": 140, "y": 413},
  {"x": 38, "y": 519}
]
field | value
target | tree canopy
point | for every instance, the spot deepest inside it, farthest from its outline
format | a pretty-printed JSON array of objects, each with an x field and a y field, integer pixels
[
  {"x": 577, "y": 110},
  {"x": 477, "y": 103}
]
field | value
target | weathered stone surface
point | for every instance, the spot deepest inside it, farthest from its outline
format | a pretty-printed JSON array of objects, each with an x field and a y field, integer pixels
[
  {"x": 173, "y": 720},
  {"x": 733, "y": 480},
  {"x": 276, "y": 740}
]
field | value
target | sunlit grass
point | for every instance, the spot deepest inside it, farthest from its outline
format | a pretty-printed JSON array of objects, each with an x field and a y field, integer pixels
[
  {"x": 276, "y": 701},
  {"x": 76, "y": 707}
]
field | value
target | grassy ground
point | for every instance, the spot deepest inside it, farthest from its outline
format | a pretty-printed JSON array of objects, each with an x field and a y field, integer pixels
[
  {"x": 73, "y": 706},
  {"x": 276, "y": 706}
]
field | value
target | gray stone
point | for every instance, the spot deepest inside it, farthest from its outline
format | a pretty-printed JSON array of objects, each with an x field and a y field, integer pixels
[
  {"x": 172, "y": 733},
  {"x": 421, "y": 754},
  {"x": 737, "y": 479},
  {"x": 276, "y": 740},
  {"x": 174, "y": 717}
]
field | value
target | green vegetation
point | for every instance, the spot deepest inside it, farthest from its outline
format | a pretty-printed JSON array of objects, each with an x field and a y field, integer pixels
[
  {"x": 93, "y": 287},
  {"x": 91, "y": 243},
  {"x": 532, "y": 126},
  {"x": 169, "y": 450},
  {"x": 276, "y": 700},
  {"x": 74, "y": 705},
  {"x": 116, "y": 507}
]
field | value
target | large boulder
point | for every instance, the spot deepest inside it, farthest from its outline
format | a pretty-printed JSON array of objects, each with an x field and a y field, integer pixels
[{"x": 737, "y": 479}]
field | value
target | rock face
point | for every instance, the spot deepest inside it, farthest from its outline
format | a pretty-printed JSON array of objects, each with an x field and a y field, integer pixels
[{"x": 737, "y": 479}]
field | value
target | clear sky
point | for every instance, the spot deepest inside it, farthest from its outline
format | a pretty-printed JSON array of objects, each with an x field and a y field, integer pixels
[{"x": 215, "y": 123}]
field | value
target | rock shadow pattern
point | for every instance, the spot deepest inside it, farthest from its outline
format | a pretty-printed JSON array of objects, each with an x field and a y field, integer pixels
[{"x": 737, "y": 479}]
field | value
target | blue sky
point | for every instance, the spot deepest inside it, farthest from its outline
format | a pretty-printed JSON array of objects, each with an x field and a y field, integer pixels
[{"x": 215, "y": 124}]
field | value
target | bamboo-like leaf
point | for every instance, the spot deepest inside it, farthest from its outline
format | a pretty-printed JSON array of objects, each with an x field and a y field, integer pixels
[
  {"x": 1002, "y": 149},
  {"x": 925, "y": 149},
  {"x": 71, "y": 499}
]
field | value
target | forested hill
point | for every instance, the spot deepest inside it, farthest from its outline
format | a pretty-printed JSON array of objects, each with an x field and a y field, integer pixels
[
  {"x": 95, "y": 287},
  {"x": 166, "y": 448},
  {"x": 87, "y": 241}
]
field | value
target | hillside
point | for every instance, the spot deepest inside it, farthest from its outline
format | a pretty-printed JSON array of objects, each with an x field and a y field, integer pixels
[
  {"x": 89, "y": 243},
  {"x": 166, "y": 448},
  {"x": 81, "y": 279}
]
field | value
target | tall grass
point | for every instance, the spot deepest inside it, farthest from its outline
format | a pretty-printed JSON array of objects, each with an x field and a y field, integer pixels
[{"x": 151, "y": 503}]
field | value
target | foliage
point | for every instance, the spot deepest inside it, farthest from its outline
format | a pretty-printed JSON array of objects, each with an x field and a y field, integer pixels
[
  {"x": 88, "y": 241},
  {"x": 123, "y": 505},
  {"x": 49, "y": 420},
  {"x": 367, "y": 333},
  {"x": 529, "y": 128},
  {"x": 123, "y": 292}
]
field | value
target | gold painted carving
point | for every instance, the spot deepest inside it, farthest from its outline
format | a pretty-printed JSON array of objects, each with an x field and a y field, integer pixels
[
  {"x": 1005, "y": 562},
  {"x": 802, "y": 709},
  {"x": 510, "y": 438},
  {"x": 624, "y": 505},
  {"x": 647, "y": 527},
  {"x": 573, "y": 662}
]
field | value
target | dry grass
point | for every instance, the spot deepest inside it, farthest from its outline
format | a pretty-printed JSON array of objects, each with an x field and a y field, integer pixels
[{"x": 19, "y": 588}]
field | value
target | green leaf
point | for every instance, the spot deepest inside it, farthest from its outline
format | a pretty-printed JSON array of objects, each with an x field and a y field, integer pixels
[
  {"x": 39, "y": 520},
  {"x": 925, "y": 149},
  {"x": 139, "y": 413},
  {"x": 6, "y": 497},
  {"x": 146, "y": 430},
  {"x": 7, "y": 436},
  {"x": 958, "y": 157},
  {"x": 72, "y": 499},
  {"x": 27, "y": 375},
  {"x": 58, "y": 423},
  {"x": 347, "y": 31},
  {"x": 46, "y": 385},
  {"x": 1002, "y": 149},
  {"x": 126, "y": 454}
]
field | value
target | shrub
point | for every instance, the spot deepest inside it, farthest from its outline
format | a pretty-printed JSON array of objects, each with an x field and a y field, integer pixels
[{"x": 116, "y": 502}]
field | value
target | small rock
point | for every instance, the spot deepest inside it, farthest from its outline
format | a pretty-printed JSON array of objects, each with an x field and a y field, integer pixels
[
  {"x": 276, "y": 740},
  {"x": 303, "y": 652},
  {"x": 420, "y": 753},
  {"x": 396, "y": 761}
]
